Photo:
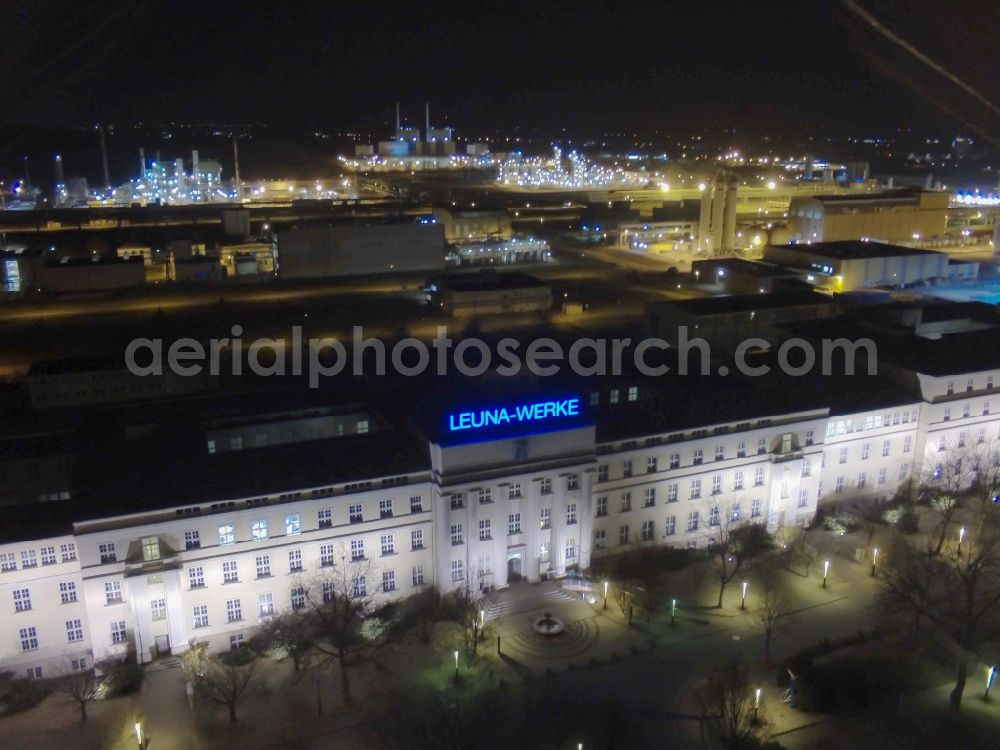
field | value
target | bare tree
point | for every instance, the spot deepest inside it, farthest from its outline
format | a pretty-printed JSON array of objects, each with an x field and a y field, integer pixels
[
  {"x": 953, "y": 597},
  {"x": 222, "y": 679},
  {"x": 947, "y": 478},
  {"x": 339, "y": 600},
  {"x": 83, "y": 686},
  {"x": 727, "y": 702},
  {"x": 471, "y": 620},
  {"x": 775, "y": 600},
  {"x": 986, "y": 484},
  {"x": 293, "y": 633},
  {"x": 733, "y": 542}
]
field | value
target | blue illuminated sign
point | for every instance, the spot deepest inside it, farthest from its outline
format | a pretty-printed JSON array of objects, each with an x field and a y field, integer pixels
[{"x": 526, "y": 414}]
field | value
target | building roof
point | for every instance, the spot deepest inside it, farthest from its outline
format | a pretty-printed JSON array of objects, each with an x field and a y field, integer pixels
[
  {"x": 483, "y": 281},
  {"x": 855, "y": 249},
  {"x": 744, "y": 302},
  {"x": 901, "y": 194}
]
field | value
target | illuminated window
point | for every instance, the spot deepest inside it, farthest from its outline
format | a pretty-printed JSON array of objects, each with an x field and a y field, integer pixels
[
  {"x": 150, "y": 548},
  {"x": 226, "y": 534},
  {"x": 158, "y": 609},
  {"x": 259, "y": 529},
  {"x": 293, "y": 524}
]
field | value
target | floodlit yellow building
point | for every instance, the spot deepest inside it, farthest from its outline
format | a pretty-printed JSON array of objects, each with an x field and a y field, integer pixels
[{"x": 894, "y": 216}]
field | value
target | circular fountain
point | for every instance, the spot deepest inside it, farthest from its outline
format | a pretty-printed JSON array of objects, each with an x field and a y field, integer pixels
[{"x": 548, "y": 625}]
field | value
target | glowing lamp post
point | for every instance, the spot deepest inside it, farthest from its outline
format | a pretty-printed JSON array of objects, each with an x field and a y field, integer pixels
[
  {"x": 961, "y": 538},
  {"x": 456, "y": 665},
  {"x": 874, "y": 560},
  {"x": 673, "y": 611},
  {"x": 482, "y": 619},
  {"x": 826, "y": 571},
  {"x": 756, "y": 703},
  {"x": 138, "y": 732},
  {"x": 605, "y": 594},
  {"x": 991, "y": 673},
  {"x": 743, "y": 600}
]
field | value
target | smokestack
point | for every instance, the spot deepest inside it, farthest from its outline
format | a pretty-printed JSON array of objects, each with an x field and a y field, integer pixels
[
  {"x": 194, "y": 165},
  {"x": 60, "y": 186},
  {"x": 104, "y": 158},
  {"x": 236, "y": 170},
  {"x": 729, "y": 217},
  {"x": 705, "y": 218},
  {"x": 427, "y": 121},
  {"x": 142, "y": 164},
  {"x": 27, "y": 172},
  {"x": 718, "y": 210},
  {"x": 397, "y": 118}
]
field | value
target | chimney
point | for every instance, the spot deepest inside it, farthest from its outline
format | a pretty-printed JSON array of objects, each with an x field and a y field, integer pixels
[
  {"x": 194, "y": 165},
  {"x": 397, "y": 118},
  {"x": 104, "y": 158},
  {"x": 142, "y": 164},
  {"x": 427, "y": 121}
]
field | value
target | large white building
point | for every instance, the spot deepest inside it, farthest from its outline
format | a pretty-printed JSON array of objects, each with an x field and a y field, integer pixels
[{"x": 203, "y": 547}]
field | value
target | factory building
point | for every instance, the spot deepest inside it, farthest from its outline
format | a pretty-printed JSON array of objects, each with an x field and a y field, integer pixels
[
  {"x": 489, "y": 293},
  {"x": 717, "y": 215},
  {"x": 856, "y": 265},
  {"x": 204, "y": 541},
  {"x": 892, "y": 216},
  {"x": 319, "y": 250}
]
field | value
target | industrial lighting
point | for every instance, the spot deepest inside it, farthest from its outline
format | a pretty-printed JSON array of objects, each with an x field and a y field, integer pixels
[{"x": 826, "y": 571}]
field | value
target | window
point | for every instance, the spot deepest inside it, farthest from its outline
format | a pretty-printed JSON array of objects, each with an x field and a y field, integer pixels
[
  {"x": 22, "y": 600},
  {"x": 357, "y": 549},
  {"x": 572, "y": 482},
  {"x": 904, "y": 472},
  {"x": 543, "y": 552},
  {"x": 293, "y": 524},
  {"x": 230, "y": 574},
  {"x": 886, "y": 447},
  {"x": 29, "y": 638},
  {"x": 602, "y": 506},
  {"x": 698, "y": 456},
  {"x": 570, "y": 548},
  {"x": 986, "y": 408},
  {"x": 74, "y": 631},
  {"x": 359, "y": 586},
  {"x": 758, "y": 476},
  {"x": 613, "y": 396},
  {"x": 226, "y": 534},
  {"x": 67, "y": 552},
  {"x": 675, "y": 460},
  {"x": 545, "y": 486},
  {"x": 259, "y": 528},
  {"x": 671, "y": 527},
  {"x": 717, "y": 484},
  {"x": 514, "y": 523},
  {"x": 545, "y": 518},
  {"x": 882, "y": 475},
  {"x": 570, "y": 514},
  {"x": 595, "y": 398},
  {"x": 294, "y": 560},
  {"x": 633, "y": 392},
  {"x": 326, "y": 555},
  {"x": 741, "y": 449},
  {"x": 626, "y": 502},
  {"x": 843, "y": 455},
  {"x": 192, "y": 540},
  {"x": 48, "y": 555},
  {"x": 755, "y": 508},
  {"x": 67, "y": 591},
  {"x": 28, "y": 559},
  {"x": 150, "y": 548},
  {"x": 457, "y": 501},
  {"x": 298, "y": 597},
  {"x": 112, "y": 592},
  {"x": 388, "y": 580},
  {"x": 651, "y": 464},
  {"x": 324, "y": 518},
  {"x": 865, "y": 451},
  {"x": 647, "y": 531},
  {"x": 263, "y": 563},
  {"x": 947, "y": 413},
  {"x": 839, "y": 486},
  {"x": 385, "y": 508},
  {"x": 672, "y": 492},
  {"x": 118, "y": 632},
  {"x": 485, "y": 495},
  {"x": 713, "y": 516},
  {"x": 720, "y": 453},
  {"x": 761, "y": 446},
  {"x": 416, "y": 504},
  {"x": 456, "y": 533},
  {"x": 803, "y": 498},
  {"x": 485, "y": 529},
  {"x": 907, "y": 443},
  {"x": 417, "y": 539},
  {"x": 418, "y": 575},
  {"x": 623, "y": 535},
  {"x": 196, "y": 577},
  {"x": 514, "y": 491},
  {"x": 107, "y": 552},
  {"x": 265, "y": 604},
  {"x": 649, "y": 497},
  {"x": 626, "y": 469},
  {"x": 695, "y": 489},
  {"x": 387, "y": 544},
  {"x": 158, "y": 609},
  {"x": 201, "y": 616},
  {"x": 806, "y": 467},
  {"x": 810, "y": 435},
  {"x": 961, "y": 439},
  {"x": 735, "y": 513},
  {"x": 602, "y": 473},
  {"x": 951, "y": 387},
  {"x": 600, "y": 539},
  {"x": 457, "y": 571},
  {"x": 355, "y": 514},
  {"x": 693, "y": 521},
  {"x": 234, "y": 610}
]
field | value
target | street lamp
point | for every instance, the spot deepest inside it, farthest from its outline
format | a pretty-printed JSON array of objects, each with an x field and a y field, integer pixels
[
  {"x": 456, "y": 663},
  {"x": 605, "y": 594},
  {"x": 743, "y": 601},
  {"x": 482, "y": 619},
  {"x": 874, "y": 560},
  {"x": 673, "y": 611},
  {"x": 991, "y": 673},
  {"x": 756, "y": 703},
  {"x": 826, "y": 571},
  {"x": 961, "y": 536},
  {"x": 138, "y": 732}
]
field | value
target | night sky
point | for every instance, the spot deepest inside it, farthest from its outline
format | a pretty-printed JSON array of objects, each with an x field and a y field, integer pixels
[{"x": 759, "y": 66}]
